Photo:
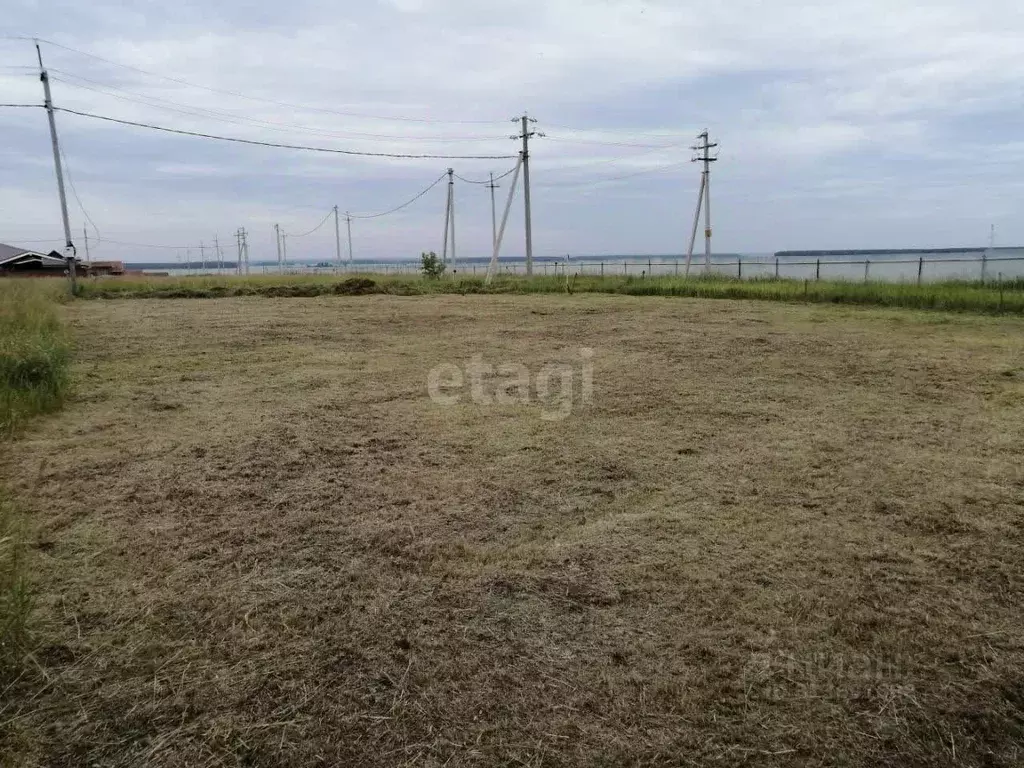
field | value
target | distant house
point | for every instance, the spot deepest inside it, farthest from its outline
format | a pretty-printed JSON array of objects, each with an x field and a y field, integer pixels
[
  {"x": 21, "y": 261},
  {"x": 16, "y": 262}
]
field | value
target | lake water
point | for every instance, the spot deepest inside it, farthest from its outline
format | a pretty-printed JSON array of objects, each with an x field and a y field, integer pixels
[{"x": 890, "y": 266}]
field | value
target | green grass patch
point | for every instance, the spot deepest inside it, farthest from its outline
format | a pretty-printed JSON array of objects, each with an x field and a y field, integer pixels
[
  {"x": 34, "y": 351},
  {"x": 960, "y": 296},
  {"x": 34, "y": 359}
]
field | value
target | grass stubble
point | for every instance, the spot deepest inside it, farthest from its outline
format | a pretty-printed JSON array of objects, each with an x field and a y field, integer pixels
[
  {"x": 780, "y": 535},
  {"x": 989, "y": 297}
]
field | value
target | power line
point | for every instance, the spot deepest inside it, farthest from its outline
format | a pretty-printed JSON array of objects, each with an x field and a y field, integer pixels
[
  {"x": 598, "y": 143},
  {"x": 509, "y": 172},
  {"x": 22, "y": 105},
  {"x": 259, "y": 98},
  {"x": 615, "y": 132},
  {"x": 230, "y": 117},
  {"x": 314, "y": 229},
  {"x": 71, "y": 182},
  {"x": 282, "y": 146},
  {"x": 403, "y": 205},
  {"x": 595, "y": 182}
]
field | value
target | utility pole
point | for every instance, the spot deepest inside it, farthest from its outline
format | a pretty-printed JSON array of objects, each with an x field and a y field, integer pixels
[
  {"x": 277, "y": 239},
  {"x": 85, "y": 235},
  {"x": 451, "y": 210},
  {"x": 220, "y": 256},
  {"x": 238, "y": 251},
  {"x": 526, "y": 135},
  {"x": 69, "y": 248},
  {"x": 337, "y": 237},
  {"x": 447, "y": 219},
  {"x": 284, "y": 249},
  {"x": 704, "y": 148},
  {"x": 494, "y": 222},
  {"x": 245, "y": 248},
  {"x": 202, "y": 254},
  {"x": 348, "y": 223}
]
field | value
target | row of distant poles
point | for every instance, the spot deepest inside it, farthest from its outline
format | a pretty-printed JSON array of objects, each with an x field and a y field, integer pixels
[{"x": 522, "y": 168}]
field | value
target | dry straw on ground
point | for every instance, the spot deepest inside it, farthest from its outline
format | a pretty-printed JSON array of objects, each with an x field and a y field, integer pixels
[{"x": 780, "y": 535}]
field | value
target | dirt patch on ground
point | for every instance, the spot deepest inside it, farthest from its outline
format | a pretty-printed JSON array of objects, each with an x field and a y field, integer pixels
[{"x": 775, "y": 536}]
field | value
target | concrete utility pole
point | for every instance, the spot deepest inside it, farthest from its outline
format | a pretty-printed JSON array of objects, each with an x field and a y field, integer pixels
[
  {"x": 85, "y": 235},
  {"x": 277, "y": 238},
  {"x": 238, "y": 251},
  {"x": 348, "y": 223},
  {"x": 447, "y": 220},
  {"x": 337, "y": 237},
  {"x": 245, "y": 249},
  {"x": 69, "y": 248},
  {"x": 202, "y": 254},
  {"x": 284, "y": 249},
  {"x": 451, "y": 210},
  {"x": 526, "y": 135},
  {"x": 494, "y": 222},
  {"x": 704, "y": 147},
  {"x": 220, "y": 256}
]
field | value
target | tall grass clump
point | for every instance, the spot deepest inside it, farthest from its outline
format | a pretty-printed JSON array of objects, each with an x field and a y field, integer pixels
[
  {"x": 34, "y": 357},
  {"x": 34, "y": 351}
]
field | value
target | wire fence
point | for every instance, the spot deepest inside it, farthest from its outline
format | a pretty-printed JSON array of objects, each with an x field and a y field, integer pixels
[{"x": 921, "y": 269}]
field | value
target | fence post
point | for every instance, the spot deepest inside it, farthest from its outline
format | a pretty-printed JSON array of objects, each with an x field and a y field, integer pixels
[
  {"x": 648, "y": 265},
  {"x": 602, "y": 269},
  {"x": 625, "y": 268},
  {"x": 776, "y": 267},
  {"x": 739, "y": 267},
  {"x": 867, "y": 266},
  {"x": 920, "y": 268},
  {"x": 1000, "y": 293},
  {"x": 817, "y": 270},
  {"x": 984, "y": 263},
  {"x": 385, "y": 269},
  {"x": 677, "y": 266}
]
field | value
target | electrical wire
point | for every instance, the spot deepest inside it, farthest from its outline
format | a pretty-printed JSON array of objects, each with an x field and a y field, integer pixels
[
  {"x": 595, "y": 142},
  {"x": 403, "y": 205},
  {"x": 22, "y": 105},
  {"x": 595, "y": 182},
  {"x": 71, "y": 183},
  {"x": 258, "y": 98},
  {"x": 614, "y": 132},
  {"x": 314, "y": 229},
  {"x": 253, "y": 142},
  {"x": 173, "y": 106},
  {"x": 509, "y": 172}
]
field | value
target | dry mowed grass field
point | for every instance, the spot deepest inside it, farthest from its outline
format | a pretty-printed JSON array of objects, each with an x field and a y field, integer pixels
[{"x": 778, "y": 535}]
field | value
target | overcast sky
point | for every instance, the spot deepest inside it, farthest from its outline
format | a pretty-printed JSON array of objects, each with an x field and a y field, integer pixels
[{"x": 856, "y": 124}]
